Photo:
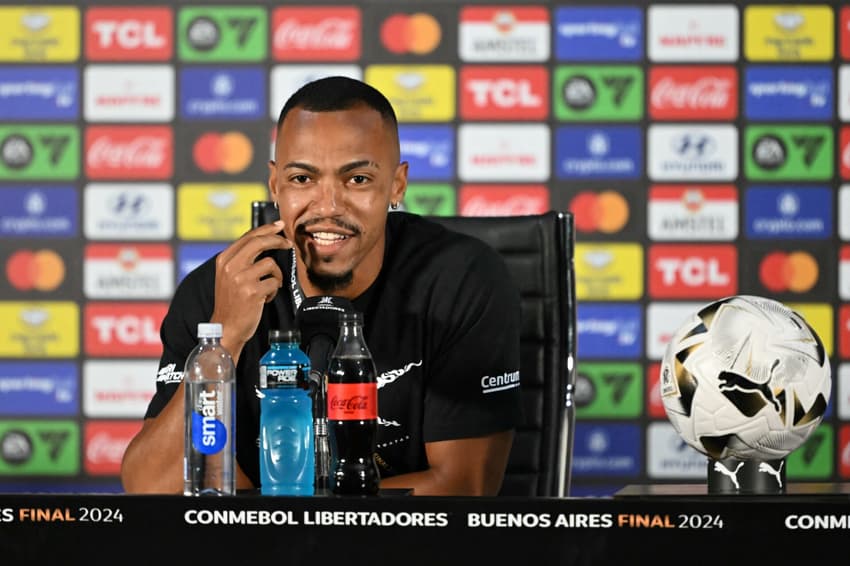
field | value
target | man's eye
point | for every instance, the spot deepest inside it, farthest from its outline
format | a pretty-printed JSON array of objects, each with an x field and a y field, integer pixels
[
  {"x": 300, "y": 179},
  {"x": 359, "y": 179}
]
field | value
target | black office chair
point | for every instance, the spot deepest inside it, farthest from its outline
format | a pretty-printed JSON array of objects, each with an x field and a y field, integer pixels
[{"x": 538, "y": 250}]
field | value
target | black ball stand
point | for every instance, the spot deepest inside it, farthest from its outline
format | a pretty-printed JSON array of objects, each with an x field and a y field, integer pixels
[{"x": 732, "y": 476}]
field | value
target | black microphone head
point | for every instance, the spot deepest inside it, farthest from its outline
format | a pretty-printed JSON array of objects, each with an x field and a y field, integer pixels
[{"x": 320, "y": 315}]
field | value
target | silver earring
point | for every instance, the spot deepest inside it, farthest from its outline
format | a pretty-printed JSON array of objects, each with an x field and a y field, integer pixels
[
  {"x": 275, "y": 205},
  {"x": 394, "y": 205}
]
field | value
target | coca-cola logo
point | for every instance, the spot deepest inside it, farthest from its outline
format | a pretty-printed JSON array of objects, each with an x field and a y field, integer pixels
[
  {"x": 335, "y": 34},
  {"x": 703, "y": 94},
  {"x": 518, "y": 205},
  {"x": 316, "y": 33},
  {"x": 105, "y": 449},
  {"x": 144, "y": 152},
  {"x": 354, "y": 403}
]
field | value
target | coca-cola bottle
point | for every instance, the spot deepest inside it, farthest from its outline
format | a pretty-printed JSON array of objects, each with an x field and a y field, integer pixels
[{"x": 352, "y": 411}]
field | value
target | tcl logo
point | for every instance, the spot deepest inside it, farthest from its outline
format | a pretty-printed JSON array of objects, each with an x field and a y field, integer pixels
[
  {"x": 125, "y": 34},
  {"x": 105, "y": 443},
  {"x": 506, "y": 93},
  {"x": 698, "y": 93},
  {"x": 678, "y": 271},
  {"x": 123, "y": 329}
]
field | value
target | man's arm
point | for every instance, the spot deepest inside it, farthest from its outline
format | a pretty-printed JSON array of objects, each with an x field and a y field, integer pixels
[
  {"x": 153, "y": 461},
  {"x": 469, "y": 466}
]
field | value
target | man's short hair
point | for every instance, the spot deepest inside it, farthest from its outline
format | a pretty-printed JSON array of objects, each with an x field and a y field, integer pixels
[{"x": 339, "y": 93}]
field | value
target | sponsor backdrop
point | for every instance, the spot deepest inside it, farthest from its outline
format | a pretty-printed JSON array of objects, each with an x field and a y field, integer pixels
[{"x": 704, "y": 148}]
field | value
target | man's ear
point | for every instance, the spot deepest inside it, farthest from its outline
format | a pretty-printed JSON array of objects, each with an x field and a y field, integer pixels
[
  {"x": 399, "y": 183},
  {"x": 272, "y": 181}
]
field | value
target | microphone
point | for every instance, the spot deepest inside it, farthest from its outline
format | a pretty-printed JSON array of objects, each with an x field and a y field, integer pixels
[{"x": 318, "y": 320}]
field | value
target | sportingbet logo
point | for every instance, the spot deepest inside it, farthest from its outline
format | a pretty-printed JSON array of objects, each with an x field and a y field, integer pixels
[
  {"x": 599, "y": 34},
  {"x": 788, "y": 152},
  {"x": 39, "y": 93},
  {"x": 39, "y": 152},
  {"x": 790, "y": 92},
  {"x": 429, "y": 150},
  {"x": 595, "y": 93},
  {"x": 228, "y": 33}
]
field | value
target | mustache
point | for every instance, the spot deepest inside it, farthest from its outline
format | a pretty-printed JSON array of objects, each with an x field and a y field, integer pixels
[{"x": 339, "y": 222}]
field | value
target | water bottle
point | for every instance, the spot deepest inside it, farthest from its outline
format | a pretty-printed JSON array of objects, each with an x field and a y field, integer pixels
[
  {"x": 287, "y": 446},
  {"x": 210, "y": 417},
  {"x": 353, "y": 411}
]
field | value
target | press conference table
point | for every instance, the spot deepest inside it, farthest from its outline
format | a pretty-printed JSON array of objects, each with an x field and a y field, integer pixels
[{"x": 639, "y": 525}]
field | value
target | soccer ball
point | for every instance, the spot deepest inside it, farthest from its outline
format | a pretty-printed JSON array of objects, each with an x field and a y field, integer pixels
[{"x": 745, "y": 377}]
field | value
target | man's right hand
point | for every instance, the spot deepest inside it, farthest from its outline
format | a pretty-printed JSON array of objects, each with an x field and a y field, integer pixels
[{"x": 243, "y": 284}]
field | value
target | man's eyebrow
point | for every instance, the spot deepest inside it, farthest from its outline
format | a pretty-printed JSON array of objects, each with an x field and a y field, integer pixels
[
  {"x": 299, "y": 165},
  {"x": 357, "y": 164}
]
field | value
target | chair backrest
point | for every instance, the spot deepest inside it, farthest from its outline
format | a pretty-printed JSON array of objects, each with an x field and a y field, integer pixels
[{"x": 538, "y": 250}]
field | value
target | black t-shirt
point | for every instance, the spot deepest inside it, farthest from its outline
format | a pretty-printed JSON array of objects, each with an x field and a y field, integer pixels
[{"x": 442, "y": 324}]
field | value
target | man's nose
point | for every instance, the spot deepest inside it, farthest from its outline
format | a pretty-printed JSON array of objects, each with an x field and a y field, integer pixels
[{"x": 329, "y": 198}]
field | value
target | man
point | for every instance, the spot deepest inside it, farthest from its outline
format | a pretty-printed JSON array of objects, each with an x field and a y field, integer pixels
[{"x": 441, "y": 313}]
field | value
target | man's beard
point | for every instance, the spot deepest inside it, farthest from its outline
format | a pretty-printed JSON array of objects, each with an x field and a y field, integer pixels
[{"x": 329, "y": 284}]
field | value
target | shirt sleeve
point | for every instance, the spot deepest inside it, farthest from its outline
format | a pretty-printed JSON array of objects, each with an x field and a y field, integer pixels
[
  {"x": 178, "y": 333},
  {"x": 473, "y": 384}
]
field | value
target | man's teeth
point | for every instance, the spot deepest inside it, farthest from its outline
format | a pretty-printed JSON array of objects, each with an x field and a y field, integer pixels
[{"x": 327, "y": 237}]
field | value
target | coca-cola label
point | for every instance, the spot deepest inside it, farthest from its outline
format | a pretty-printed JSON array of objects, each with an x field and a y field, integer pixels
[
  {"x": 503, "y": 200},
  {"x": 329, "y": 33},
  {"x": 352, "y": 401},
  {"x": 129, "y": 152},
  {"x": 696, "y": 93},
  {"x": 105, "y": 443}
]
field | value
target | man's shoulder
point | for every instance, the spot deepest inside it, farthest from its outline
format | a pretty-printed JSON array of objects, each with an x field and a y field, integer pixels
[{"x": 415, "y": 231}]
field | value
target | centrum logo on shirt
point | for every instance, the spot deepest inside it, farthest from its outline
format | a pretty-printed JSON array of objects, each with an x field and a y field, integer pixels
[
  {"x": 788, "y": 33},
  {"x": 48, "y": 329},
  {"x": 39, "y": 448},
  {"x": 216, "y": 212},
  {"x": 418, "y": 93},
  {"x": 39, "y": 152},
  {"x": 222, "y": 34},
  {"x": 502, "y": 382},
  {"x": 788, "y": 152},
  {"x": 48, "y": 34}
]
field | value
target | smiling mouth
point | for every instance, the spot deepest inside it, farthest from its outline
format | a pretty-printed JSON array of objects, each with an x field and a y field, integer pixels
[{"x": 327, "y": 238}]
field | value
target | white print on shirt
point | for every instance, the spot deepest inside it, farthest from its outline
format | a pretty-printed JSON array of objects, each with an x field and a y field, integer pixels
[
  {"x": 389, "y": 376},
  {"x": 166, "y": 374},
  {"x": 384, "y": 422}
]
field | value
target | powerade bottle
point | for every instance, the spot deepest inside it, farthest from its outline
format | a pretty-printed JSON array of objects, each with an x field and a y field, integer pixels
[
  {"x": 287, "y": 445},
  {"x": 209, "y": 416},
  {"x": 353, "y": 411}
]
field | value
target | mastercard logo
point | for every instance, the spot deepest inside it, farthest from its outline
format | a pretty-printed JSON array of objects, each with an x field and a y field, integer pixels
[
  {"x": 229, "y": 152},
  {"x": 796, "y": 272},
  {"x": 418, "y": 33},
  {"x": 42, "y": 270},
  {"x": 606, "y": 211}
]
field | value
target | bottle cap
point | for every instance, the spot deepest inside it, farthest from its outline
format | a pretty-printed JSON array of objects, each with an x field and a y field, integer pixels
[
  {"x": 209, "y": 330},
  {"x": 292, "y": 335}
]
